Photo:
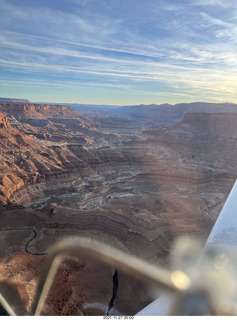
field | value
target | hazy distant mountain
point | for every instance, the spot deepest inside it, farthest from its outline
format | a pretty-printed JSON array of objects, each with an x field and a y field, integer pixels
[
  {"x": 87, "y": 108},
  {"x": 157, "y": 114},
  {"x": 14, "y": 100}
]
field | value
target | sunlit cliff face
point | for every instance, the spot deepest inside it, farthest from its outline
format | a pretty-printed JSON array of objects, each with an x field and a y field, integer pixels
[{"x": 136, "y": 179}]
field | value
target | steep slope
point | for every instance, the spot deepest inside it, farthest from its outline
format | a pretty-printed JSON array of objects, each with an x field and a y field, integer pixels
[{"x": 10, "y": 137}]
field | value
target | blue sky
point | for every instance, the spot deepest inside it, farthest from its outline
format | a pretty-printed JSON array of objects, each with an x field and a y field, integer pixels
[{"x": 119, "y": 51}]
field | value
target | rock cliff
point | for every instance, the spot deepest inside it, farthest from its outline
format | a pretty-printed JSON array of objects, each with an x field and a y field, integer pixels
[
  {"x": 4, "y": 124},
  {"x": 27, "y": 110}
]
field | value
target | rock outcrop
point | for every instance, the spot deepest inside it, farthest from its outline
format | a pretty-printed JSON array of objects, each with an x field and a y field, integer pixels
[
  {"x": 4, "y": 124},
  {"x": 27, "y": 110}
]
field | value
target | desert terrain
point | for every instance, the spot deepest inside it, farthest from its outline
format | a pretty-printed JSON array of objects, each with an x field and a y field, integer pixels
[{"x": 135, "y": 177}]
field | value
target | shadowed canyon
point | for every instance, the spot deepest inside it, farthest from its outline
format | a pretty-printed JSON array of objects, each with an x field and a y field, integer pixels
[{"x": 135, "y": 177}]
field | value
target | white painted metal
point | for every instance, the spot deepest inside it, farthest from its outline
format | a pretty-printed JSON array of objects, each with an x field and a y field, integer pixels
[{"x": 224, "y": 231}]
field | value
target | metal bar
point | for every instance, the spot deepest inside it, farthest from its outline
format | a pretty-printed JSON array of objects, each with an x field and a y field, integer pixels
[
  {"x": 133, "y": 266},
  {"x": 6, "y": 306}
]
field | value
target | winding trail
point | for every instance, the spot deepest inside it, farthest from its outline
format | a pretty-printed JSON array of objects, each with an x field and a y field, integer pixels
[
  {"x": 34, "y": 235},
  {"x": 30, "y": 240}
]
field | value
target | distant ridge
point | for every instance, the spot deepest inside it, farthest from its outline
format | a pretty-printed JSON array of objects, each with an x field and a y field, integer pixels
[{"x": 14, "y": 100}]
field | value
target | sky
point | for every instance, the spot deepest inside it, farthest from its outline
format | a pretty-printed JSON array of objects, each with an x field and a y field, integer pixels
[{"x": 119, "y": 52}]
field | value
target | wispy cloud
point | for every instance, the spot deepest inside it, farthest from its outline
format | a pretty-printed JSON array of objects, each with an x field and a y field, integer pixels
[
  {"x": 221, "y": 3},
  {"x": 216, "y": 21},
  {"x": 181, "y": 48}
]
